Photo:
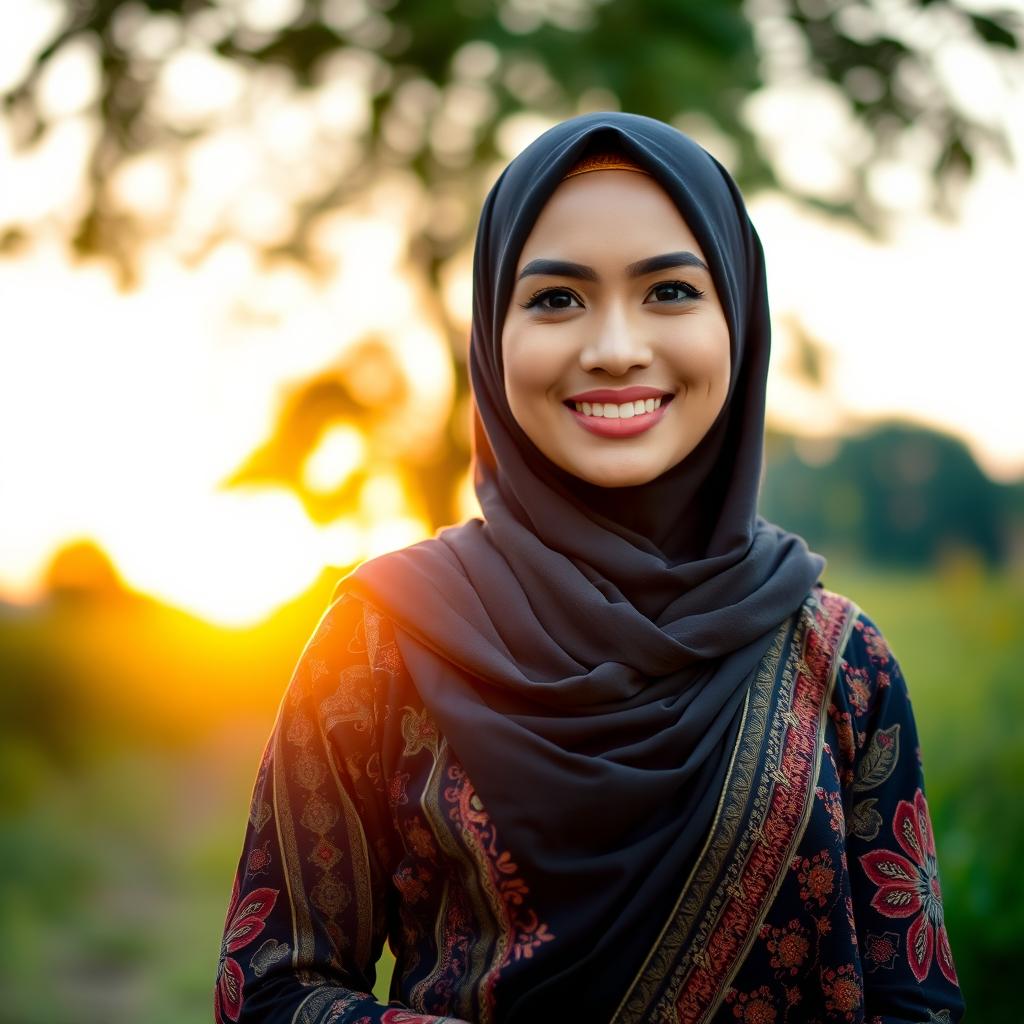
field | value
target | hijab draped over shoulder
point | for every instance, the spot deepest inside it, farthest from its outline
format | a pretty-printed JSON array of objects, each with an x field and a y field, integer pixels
[{"x": 586, "y": 651}]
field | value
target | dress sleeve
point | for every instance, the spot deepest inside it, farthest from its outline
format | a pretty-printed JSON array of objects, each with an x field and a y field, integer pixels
[
  {"x": 308, "y": 912},
  {"x": 909, "y": 975}
]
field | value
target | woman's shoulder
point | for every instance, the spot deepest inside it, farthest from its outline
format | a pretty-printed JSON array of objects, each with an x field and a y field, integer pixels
[
  {"x": 350, "y": 664},
  {"x": 851, "y": 647},
  {"x": 864, "y": 646},
  {"x": 862, "y": 641},
  {"x": 352, "y": 630},
  {"x": 350, "y": 679},
  {"x": 868, "y": 684}
]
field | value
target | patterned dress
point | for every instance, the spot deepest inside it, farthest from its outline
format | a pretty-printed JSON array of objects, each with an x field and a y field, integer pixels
[{"x": 815, "y": 898}]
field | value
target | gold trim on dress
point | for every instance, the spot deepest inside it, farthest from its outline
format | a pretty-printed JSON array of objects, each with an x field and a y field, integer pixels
[{"x": 676, "y": 982}]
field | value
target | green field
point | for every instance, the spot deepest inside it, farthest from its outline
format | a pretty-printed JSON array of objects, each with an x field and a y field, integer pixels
[{"x": 119, "y": 833}]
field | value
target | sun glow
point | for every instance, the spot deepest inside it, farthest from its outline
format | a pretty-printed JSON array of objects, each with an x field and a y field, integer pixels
[
  {"x": 338, "y": 455},
  {"x": 124, "y": 414}
]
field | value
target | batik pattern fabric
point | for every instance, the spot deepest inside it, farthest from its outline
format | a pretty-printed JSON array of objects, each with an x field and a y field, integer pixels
[
  {"x": 816, "y": 897},
  {"x": 856, "y": 930}
]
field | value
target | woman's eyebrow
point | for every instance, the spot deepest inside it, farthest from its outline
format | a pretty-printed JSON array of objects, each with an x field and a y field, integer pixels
[
  {"x": 565, "y": 268},
  {"x": 558, "y": 268},
  {"x": 665, "y": 262}
]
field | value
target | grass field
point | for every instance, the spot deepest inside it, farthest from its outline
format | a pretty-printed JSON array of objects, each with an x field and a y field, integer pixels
[{"x": 119, "y": 838}]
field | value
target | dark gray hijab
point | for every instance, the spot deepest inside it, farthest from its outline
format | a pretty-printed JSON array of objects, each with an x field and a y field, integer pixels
[{"x": 586, "y": 651}]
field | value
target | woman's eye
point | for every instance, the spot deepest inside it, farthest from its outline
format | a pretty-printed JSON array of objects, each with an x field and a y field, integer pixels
[
  {"x": 551, "y": 299},
  {"x": 673, "y": 291}
]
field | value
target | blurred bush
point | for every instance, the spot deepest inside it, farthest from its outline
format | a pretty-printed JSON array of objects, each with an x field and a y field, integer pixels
[{"x": 897, "y": 495}]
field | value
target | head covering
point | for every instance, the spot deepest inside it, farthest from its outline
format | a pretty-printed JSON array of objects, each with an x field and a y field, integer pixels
[{"x": 586, "y": 650}]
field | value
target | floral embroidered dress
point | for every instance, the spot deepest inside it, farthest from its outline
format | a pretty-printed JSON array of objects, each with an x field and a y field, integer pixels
[{"x": 815, "y": 898}]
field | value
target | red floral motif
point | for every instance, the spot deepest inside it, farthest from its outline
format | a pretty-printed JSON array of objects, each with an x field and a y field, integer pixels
[
  {"x": 909, "y": 887},
  {"x": 755, "y": 1007},
  {"x": 531, "y": 934},
  {"x": 420, "y": 840},
  {"x": 817, "y": 877},
  {"x": 834, "y": 805},
  {"x": 396, "y": 789},
  {"x": 406, "y": 1017},
  {"x": 877, "y": 648},
  {"x": 788, "y": 947},
  {"x": 258, "y": 862},
  {"x": 527, "y": 931},
  {"x": 246, "y": 918},
  {"x": 325, "y": 854},
  {"x": 412, "y": 883},
  {"x": 881, "y": 950},
  {"x": 858, "y": 688},
  {"x": 843, "y": 990},
  {"x": 843, "y": 722}
]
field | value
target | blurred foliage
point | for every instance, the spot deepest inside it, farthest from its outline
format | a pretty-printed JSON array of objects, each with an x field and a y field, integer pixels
[
  {"x": 126, "y": 790},
  {"x": 359, "y": 392},
  {"x": 442, "y": 79},
  {"x": 896, "y": 495}
]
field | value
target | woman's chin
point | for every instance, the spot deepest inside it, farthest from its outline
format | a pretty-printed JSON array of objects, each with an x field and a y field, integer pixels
[{"x": 614, "y": 473}]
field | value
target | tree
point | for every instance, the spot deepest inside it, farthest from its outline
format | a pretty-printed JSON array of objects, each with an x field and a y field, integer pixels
[
  {"x": 898, "y": 495},
  {"x": 322, "y": 100},
  {"x": 441, "y": 82}
]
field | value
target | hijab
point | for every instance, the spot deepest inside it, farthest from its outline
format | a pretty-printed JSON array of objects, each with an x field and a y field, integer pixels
[{"x": 585, "y": 650}]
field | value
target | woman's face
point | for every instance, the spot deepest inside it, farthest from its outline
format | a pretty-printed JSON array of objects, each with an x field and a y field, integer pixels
[{"x": 615, "y": 344}]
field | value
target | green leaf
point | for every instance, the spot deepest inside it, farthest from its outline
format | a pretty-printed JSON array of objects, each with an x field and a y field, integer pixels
[{"x": 878, "y": 763}]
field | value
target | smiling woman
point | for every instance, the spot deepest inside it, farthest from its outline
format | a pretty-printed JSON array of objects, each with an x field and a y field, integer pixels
[
  {"x": 608, "y": 341},
  {"x": 610, "y": 752}
]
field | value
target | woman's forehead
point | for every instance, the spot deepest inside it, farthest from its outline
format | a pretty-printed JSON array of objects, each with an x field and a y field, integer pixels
[{"x": 609, "y": 212}]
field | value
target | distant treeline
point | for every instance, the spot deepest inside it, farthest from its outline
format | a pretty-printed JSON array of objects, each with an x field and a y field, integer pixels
[{"x": 897, "y": 495}]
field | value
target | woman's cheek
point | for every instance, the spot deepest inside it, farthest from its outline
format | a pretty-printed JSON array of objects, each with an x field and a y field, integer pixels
[
  {"x": 707, "y": 363},
  {"x": 525, "y": 383},
  {"x": 531, "y": 365}
]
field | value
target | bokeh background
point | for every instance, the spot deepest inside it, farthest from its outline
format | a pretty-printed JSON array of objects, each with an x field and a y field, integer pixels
[{"x": 234, "y": 297}]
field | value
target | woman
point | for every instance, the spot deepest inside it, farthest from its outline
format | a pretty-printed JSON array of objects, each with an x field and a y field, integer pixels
[{"x": 610, "y": 753}]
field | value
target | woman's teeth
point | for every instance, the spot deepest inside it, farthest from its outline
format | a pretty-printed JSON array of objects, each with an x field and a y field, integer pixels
[{"x": 618, "y": 412}]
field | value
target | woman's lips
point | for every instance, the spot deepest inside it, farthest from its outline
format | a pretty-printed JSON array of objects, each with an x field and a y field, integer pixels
[
  {"x": 619, "y": 395},
  {"x": 606, "y": 426}
]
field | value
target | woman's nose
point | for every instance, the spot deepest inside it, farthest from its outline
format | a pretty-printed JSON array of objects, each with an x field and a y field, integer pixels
[{"x": 615, "y": 344}]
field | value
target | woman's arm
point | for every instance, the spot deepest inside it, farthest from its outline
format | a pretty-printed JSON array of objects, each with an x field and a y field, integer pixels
[
  {"x": 307, "y": 917},
  {"x": 909, "y": 973}
]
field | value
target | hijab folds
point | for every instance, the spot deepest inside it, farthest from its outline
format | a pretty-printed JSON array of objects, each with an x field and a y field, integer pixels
[{"x": 586, "y": 651}]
